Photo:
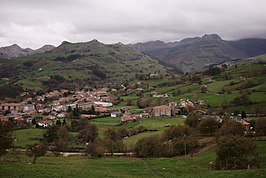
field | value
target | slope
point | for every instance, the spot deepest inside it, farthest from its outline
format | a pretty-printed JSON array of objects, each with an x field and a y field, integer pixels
[
  {"x": 193, "y": 54},
  {"x": 73, "y": 65}
]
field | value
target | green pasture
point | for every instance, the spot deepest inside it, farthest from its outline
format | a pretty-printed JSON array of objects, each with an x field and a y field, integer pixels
[
  {"x": 126, "y": 167},
  {"x": 25, "y": 137}
]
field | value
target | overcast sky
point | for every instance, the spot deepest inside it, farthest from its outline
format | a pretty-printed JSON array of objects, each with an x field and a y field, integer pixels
[{"x": 33, "y": 23}]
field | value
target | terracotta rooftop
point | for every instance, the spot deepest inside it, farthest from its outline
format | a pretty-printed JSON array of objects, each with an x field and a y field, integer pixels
[
  {"x": 10, "y": 104},
  {"x": 162, "y": 107}
]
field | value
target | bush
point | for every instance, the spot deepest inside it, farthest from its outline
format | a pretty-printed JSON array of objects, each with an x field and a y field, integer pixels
[
  {"x": 69, "y": 58},
  {"x": 99, "y": 72},
  {"x": 28, "y": 63},
  {"x": 10, "y": 91},
  {"x": 212, "y": 71},
  {"x": 246, "y": 84},
  {"x": 242, "y": 100}
]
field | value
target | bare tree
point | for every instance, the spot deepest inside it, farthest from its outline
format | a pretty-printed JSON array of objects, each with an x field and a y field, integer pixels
[{"x": 36, "y": 151}]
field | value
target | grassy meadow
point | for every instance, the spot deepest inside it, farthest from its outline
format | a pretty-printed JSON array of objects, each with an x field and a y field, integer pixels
[{"x": 126, "y": 167}]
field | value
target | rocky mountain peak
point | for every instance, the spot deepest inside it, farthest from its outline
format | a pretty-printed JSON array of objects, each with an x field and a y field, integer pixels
[
  {"x": 15, "y": 50},
  {"x": 15, "y": 46},
  {"x": 211, "y": 37}
]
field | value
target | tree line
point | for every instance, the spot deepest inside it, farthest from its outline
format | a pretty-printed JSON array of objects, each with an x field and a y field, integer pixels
[{"x": 234, "y": 151}]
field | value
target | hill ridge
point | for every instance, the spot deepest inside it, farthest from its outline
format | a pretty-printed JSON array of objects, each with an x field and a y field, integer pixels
[{"x": 192, "y": 54}]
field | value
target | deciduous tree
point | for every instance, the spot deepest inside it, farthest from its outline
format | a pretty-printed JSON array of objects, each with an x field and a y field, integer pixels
[
  {"x": 36, "y": 151},
  {"x": 175, "y": 131},
  {"x": 63, "y": 138},
  {"x": 193, "y": 119},
  {"x": 6, "y": 139},
  {"x": 208, "y": 126},
  {"x": 50, "y": 135},
  {"x": 260, "y": 127},
  {"x": 88, "y": 133},
  {"x": 233, "y": 152},
  {"x": 231, "y": 127},
  {"x": 149, "y": 147}
]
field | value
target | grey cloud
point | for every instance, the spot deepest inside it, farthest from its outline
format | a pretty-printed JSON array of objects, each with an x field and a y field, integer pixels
[{"x": 34, "y": 23}]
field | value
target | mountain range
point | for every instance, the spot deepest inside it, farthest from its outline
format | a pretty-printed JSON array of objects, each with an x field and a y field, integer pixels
[
  {"x": 190, "y": 54},
  {"x": 15, "y": 50},
  {"x": 193, "y": 54}
]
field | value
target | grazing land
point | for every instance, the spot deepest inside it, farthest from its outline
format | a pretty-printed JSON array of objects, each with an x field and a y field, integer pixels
[{"x": 82, "y": 166}]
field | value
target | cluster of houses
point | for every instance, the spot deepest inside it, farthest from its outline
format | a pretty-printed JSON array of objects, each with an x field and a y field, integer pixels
[
  {"x": 170, "y": 110},
  {"x": 54, "y": 105},
  {"x": 176, "y": 108}
]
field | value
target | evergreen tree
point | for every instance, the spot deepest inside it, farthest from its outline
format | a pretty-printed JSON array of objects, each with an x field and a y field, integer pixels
[
  {"x": 51, "y": 134},
  {"x": 243, "y": 115},
  {"x": 69, "y": 109},
  {"x": 58, "y": 122},
  {"x": 64, "y": 122}
]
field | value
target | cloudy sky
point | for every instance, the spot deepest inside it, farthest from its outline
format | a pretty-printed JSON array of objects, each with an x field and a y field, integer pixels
[{"x": 33, "y": 23}]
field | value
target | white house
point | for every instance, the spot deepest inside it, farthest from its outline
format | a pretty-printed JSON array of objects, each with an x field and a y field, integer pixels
[
  {"x": 104, "y": 104},
  {"x": 116, "y": 114}
]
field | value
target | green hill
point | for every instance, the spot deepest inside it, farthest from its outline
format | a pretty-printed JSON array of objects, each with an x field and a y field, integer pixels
[
  {"x": 78, "y": 64},
  {"x": 223, "y": 88}
]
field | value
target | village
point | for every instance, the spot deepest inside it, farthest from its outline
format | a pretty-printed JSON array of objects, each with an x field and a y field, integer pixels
[{"x": 45, "y": 110}]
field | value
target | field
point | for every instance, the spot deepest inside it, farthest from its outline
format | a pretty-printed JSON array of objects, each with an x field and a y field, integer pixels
[
  {"x": 126, "y": 167},
  {"x": 221, "y": 90},
  {"x": 18, "y": 165},
  {"x": 29, "y": 136}
]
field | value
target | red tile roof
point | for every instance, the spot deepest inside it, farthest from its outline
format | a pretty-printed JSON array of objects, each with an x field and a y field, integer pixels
[{"x": 163, "y": 107}]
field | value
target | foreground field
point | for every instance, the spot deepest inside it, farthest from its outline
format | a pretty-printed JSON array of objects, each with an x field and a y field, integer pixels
[
  {"x": 29, "y": 136},
  {"x": 128, "y": 167}
]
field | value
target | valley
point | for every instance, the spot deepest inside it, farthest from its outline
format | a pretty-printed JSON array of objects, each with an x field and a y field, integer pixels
[{"x": 101, "y": 101}]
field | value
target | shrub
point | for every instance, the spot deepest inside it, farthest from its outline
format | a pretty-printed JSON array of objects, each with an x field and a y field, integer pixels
[
  {"x": 99, "y": 72},
  {"x": 28, "y": 63},
  {"x": 242, "y": 100}
]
